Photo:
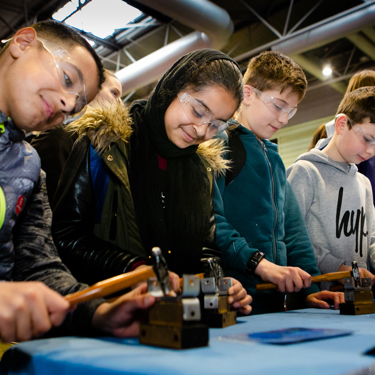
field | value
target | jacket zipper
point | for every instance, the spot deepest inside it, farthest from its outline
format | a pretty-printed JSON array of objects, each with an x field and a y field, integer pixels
[{"x": 273, "y": 199}]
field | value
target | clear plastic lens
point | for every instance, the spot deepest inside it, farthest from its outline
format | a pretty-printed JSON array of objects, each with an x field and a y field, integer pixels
[
  {"x": 73, "y": 117},
  {"x": 198, "y": 114},
  {"x": 276, "y": 106},
  {"x": 70, "y": 78},
  {"x": 362, "y": 135},
  {"x": 365, "y": 138}
]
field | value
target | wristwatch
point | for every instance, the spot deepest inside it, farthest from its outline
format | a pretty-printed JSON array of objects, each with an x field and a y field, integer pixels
[{"x": 253, "y": 262}]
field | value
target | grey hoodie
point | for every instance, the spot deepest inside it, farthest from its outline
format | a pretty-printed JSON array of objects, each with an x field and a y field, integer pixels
[{"x": 336, "y": 203}]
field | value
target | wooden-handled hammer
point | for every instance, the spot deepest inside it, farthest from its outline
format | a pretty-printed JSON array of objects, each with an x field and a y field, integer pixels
[
  {"x": 126, "y": 280},
  {"x": 333, "y": 276}
]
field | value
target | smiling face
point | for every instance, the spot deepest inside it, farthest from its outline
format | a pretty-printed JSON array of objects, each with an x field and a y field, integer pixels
[
  {"x": 178, "y": 123},
  {"x": 353, "y": 145},
  {"x": 32, "y": 93},
  {"x": 258, "y": 115}
]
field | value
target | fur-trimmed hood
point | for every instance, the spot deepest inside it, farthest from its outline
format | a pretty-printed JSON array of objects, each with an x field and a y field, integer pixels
[
  {"x": 105, "y": 123},
  {"x": 213, "y": 152}
]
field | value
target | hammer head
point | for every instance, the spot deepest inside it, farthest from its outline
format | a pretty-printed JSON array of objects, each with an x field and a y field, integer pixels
[
  {"x": 355, "y": 272},
  {"x": 212, "y": 268},
  {"x": 161, "y": 270}
]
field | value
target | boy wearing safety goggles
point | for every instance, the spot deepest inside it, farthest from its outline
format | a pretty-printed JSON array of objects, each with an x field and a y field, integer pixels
[
  {"x": 260, "y": 230},
  {"x": 48, "y": 74},
  {"x": 335, "y": 200}
]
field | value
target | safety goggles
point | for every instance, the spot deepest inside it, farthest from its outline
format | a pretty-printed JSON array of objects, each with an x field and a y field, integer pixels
[
  {"x": 198, "y": 114},
  {"x": 275, "y": 105},
  {"x": 70, "y": 78},
  {"x": 365, "y": 138}
]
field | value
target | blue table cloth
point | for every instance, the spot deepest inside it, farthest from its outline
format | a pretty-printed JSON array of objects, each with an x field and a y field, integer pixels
[{"x": 80, "y": 356}]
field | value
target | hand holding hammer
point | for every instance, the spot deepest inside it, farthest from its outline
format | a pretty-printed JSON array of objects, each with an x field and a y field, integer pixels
[{"x": 333, "y": 276}]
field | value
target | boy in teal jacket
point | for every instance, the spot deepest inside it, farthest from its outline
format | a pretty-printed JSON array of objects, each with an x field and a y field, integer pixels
[{"x": 260, "y": 230}]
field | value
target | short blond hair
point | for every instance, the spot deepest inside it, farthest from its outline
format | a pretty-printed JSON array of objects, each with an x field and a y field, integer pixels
[{"x": 272, "y": 70}]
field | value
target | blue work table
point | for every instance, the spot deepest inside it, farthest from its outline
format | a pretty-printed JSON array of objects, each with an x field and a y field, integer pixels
[{"x": 80, "y": 356}]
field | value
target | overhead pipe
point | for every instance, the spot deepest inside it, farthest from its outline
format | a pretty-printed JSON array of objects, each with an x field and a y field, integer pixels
[
  {"x": 329, "y": 30},
  {"x": 215, "y": 29},
  {"x": 320, "y": 33}
]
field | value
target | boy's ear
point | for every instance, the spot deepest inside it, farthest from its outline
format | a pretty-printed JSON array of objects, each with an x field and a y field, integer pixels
[
  {"x": 21, "y": 40},
  {"x": 341, "y": 124},
  {"x": 248, "y": 90}
]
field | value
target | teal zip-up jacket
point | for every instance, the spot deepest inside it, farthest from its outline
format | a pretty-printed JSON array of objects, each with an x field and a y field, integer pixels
[{"x": 257, "y": 211}]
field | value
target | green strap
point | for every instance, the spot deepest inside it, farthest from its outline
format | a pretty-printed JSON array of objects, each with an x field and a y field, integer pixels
[{"x": 2, "y": 125}]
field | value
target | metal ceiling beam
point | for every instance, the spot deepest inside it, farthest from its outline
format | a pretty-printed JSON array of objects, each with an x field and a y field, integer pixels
[
  {"x": 304, "y": 17},
  {"x": 329, "y": 30},
  {"x": 363, "y": 44},
  {"x": 320, "y": 33},
  {"x": 33, "y": 13},
  {"x": 332, "y": 80},
  {"x": 370, "y": 33},
  {"x": 323, "y": 33},
  {"x": 316, "y": 71},
  {"x": 269, "y": 26},
  {"x": 288, "y": 17},
  {"x": 7, "y": 24}
]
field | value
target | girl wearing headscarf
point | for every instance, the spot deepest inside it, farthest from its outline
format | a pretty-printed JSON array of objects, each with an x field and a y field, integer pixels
[{"x": 144, "y": 180}]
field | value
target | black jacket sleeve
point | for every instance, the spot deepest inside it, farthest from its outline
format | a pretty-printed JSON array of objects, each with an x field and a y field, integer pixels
[
  {"x": 36, "y": 259},
  {"x": 89, "y": 258},
  {"x": 53, "y": 146}
]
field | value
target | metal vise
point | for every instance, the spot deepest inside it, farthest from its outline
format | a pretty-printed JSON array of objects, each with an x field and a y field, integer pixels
[
  {"x": 173, "y": 322},
  {"x": 358, "y": 295},
  {"x": 216, "y": 311}
]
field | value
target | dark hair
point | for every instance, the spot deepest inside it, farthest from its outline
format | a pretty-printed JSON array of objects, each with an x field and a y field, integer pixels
[
  {"x": 223, "y": 73},
  {"x": 359, "y": 105},
  {"x": 361, "y": 79},
  {"x": 270, "y": 70},
  {"x": 319, "y": 134},
  {"x": 65, "y": 35}
]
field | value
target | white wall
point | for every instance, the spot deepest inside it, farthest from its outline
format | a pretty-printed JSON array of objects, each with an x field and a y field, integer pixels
[
  {"x": 295, "y": 140},
  {"x": 318, "y": 107}
]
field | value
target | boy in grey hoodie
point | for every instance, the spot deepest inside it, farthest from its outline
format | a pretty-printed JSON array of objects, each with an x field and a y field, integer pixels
[{"x": 335, "y": 200}]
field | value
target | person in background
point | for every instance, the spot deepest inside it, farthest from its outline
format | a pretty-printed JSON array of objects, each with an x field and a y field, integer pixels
[
  {"x": 319, "y": 134},
  {"x": 335, "y": 200},
  {"x": 360, "y": 79}
]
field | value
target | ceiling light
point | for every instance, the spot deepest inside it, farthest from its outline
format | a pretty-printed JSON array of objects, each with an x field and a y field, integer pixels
[{"x": 327, "y": 70}]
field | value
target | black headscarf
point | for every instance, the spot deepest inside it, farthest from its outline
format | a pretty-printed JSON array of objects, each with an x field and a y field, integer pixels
[{"x": 180, "y": 224}]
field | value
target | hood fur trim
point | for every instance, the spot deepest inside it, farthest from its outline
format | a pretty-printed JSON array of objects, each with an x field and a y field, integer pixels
[
  {"x": 213, "y": 152},
  {"x": 103, "y": 123}
]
